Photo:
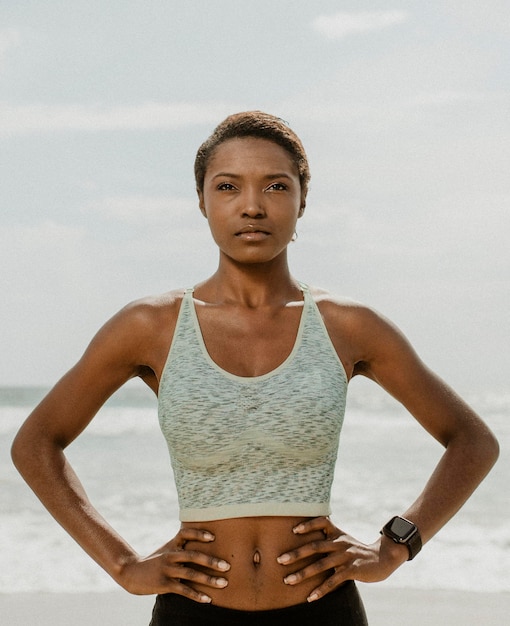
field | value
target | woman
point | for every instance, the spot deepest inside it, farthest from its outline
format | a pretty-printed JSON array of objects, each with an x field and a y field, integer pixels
[{"x": 251, "y": 369}]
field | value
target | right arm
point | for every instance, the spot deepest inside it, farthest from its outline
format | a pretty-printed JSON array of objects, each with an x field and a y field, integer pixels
[{"x": 120, "y": 351}]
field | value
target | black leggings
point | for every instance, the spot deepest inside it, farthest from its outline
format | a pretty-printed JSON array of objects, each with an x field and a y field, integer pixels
[{"x": 342, "y": 607}]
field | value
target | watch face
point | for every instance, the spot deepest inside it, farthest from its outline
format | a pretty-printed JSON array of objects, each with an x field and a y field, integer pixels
[{"x": 402, "y": 528}]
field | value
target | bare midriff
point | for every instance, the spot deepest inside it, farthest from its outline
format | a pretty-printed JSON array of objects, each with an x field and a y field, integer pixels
[{"x": 252, "y": 545}]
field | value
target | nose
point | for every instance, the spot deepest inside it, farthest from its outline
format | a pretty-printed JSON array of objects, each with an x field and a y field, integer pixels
[{"x": 252, "y": 203}]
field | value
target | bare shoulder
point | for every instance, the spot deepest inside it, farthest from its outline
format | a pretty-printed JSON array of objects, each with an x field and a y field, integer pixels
[
  {"x": 152, "y": 306},
  {"x": 330, "y": 301},
  {"x": 361, "y": 334},
  {"x": 148, "y": 312},
  {"x": 372, "y": 346},
  {"x": 345, "y": 311},
  {"x": 138, "y": 335}
]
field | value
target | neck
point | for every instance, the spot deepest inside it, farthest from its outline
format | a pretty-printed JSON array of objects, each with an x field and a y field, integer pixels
[{"x": 251, "y": 285}]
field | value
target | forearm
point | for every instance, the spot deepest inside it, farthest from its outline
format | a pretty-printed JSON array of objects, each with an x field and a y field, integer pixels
[
  {"x": 466, "y": 461},
  {"x": 51, "y": 477},
  {"x": 468, "y": 458}
]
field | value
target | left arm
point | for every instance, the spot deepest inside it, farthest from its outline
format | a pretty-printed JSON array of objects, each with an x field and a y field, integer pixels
[
  {"x": 470, "y": 447},
  {"x": 380, "y": 352}
]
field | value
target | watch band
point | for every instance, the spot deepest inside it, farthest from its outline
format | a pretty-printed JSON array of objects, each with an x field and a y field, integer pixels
[
  {"x": 414, "y": 545},
  {"x": 404, "y": 532}
]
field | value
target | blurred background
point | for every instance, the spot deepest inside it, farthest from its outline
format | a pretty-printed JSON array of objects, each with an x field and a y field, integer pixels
[{"x": 403, "y": 108}]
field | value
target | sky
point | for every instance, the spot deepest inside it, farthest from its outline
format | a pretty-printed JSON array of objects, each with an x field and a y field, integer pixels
[{"x": 403, "y": 108}]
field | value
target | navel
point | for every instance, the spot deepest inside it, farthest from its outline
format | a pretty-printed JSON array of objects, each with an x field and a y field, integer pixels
[{"x": 256, "y": 557}]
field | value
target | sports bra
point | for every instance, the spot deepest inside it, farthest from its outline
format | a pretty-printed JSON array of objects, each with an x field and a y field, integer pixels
[{"x": 252, "y": 446}]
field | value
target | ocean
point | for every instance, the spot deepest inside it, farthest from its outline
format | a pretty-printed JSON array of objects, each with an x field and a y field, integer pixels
[{"x": 384, "y": 461}]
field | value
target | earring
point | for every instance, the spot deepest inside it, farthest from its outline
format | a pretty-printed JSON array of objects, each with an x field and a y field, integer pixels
[{"x": 294, "y": 236}]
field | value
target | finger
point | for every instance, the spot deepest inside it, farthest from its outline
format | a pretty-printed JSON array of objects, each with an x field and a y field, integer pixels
[
  {"x": 181, "y": 572},
  {"x": 323, "y": 524},
  {"x": 316, "y": 523},
  {"x": 318, "y": 567},
  {"x": 183, "y": 590},
  {"x": 194, "y": 534},
  {"x": 328, "y": 586},
  {"x": 198, "y": 558},
  {"x": 309, "y": 549}
]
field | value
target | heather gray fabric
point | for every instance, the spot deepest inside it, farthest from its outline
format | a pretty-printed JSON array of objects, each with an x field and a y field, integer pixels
[{"x": 252, "y": 446}]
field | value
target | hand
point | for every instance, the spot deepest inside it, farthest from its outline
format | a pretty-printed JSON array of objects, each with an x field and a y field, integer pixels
[
  {"x": 165, "y": 570},
  {"x": 346, "y": 557}
]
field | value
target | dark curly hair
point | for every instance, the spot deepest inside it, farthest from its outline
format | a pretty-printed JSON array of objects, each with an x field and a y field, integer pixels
[{"x": 253, "y": 124}]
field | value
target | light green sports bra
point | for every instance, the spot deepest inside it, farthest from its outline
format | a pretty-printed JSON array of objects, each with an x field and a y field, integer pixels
[{"x": 252, "y": 446}]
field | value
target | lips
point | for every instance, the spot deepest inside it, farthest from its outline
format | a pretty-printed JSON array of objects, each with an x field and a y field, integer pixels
[{"x": 252, "y": 229}]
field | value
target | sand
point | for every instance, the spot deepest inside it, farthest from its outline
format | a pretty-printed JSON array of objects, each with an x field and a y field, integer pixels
[{"x": 385, "y": 607}]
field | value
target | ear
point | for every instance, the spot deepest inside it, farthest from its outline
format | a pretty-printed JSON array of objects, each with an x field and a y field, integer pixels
[
  {"x": 302, "y": 208},
  {"x": 201, "y": 203}
]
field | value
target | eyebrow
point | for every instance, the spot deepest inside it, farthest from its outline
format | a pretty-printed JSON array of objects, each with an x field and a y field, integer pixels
[{"x": 267, "y": 176}]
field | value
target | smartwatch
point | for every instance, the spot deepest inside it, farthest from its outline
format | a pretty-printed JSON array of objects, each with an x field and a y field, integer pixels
[{"x": 401, "y": 530}]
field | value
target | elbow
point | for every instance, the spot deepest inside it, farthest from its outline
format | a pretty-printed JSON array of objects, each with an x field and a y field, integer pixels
[
  {"x": 20, "y": 453},
  {"x": 491, "y": 452},
  {"x": 29, "y": 450},
  {"x": 492, "y": 449},
  {"x": 488, "y": 445},
  {"x": 484, "y": 449},
  {"x": 476, "y": 447}
]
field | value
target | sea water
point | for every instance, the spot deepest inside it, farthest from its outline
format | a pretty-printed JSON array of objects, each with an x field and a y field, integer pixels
[{"x": 384, "y": 461}]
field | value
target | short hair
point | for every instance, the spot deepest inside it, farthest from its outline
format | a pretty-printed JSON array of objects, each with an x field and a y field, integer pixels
[{"x": 253, "y": 124}]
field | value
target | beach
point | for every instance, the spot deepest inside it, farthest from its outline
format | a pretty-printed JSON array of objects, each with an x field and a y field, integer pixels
[
  {"x": 461, "y": 578},
  {"x": 385, "y": 606}
]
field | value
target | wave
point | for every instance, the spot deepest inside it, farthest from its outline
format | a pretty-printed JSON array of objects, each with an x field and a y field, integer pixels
[{"x": 133, "y": 408}]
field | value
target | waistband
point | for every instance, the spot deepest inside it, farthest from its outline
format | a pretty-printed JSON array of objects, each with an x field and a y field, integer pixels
[{"x": 342, "y": 607}]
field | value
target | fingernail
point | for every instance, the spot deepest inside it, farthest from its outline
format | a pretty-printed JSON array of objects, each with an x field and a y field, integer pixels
[
  {"x": 290, "y": 580},
  {"x": 284, "y": 558},
  {"x": 313, "y": 596},
  {"x": 223, "y": 565},
  {"x": 208, "y": 537},
  {"x": 298, "y": 529},
  {"x": 205, "y": 599},
  {"x": 221, "y": 582}
]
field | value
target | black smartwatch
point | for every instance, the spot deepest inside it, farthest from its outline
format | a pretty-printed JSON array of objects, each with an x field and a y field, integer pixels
[{"x": 401, "y": 530}]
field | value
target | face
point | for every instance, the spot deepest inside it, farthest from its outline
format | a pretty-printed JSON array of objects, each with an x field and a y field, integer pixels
[{"x": 252, "y": 199}]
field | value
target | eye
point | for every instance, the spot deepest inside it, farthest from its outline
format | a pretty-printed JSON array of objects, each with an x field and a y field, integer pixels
[
  {"x": 225, "y": 187},
  {"x": 277, "y": 187}
]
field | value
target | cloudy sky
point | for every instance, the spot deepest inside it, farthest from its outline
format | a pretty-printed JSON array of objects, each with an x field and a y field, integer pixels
[{"x": 404, "y": 110}]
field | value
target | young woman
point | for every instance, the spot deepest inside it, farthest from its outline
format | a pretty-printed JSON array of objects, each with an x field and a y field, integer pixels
[{"x": 251, "y": 370}]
